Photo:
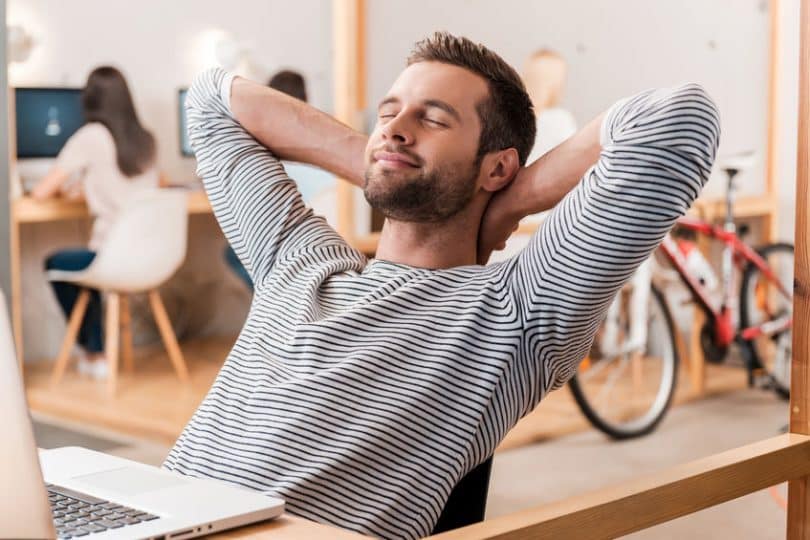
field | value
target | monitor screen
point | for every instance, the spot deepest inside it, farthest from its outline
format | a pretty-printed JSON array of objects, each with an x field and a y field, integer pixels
[
  {"x": 185, "y": 147},
  {"x": 46, "y": 118}
]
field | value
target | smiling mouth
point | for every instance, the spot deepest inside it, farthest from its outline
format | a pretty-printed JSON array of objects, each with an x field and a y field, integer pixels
[{"x": 395, "y": 160}]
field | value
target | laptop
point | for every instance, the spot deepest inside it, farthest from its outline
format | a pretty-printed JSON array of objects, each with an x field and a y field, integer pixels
[{"x": 87, "y": 494}]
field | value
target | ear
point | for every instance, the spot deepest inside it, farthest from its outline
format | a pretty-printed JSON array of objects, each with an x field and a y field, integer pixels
[{"x": 499, "y": 169}]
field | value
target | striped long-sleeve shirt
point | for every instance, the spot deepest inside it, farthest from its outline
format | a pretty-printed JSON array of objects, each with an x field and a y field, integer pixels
[{"x": 361, "y": 391}]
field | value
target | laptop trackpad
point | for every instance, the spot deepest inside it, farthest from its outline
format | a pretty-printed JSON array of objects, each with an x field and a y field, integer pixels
[{"x": 131, "y": 481}]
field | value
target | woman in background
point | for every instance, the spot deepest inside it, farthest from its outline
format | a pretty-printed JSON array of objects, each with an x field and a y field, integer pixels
[{"x": 110, "y": 160}]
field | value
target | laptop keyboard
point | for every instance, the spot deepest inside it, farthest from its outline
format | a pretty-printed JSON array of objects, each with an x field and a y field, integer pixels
[{"x": 78, "y": 514}]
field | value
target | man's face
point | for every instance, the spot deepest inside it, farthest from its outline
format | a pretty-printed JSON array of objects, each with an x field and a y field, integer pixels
[{"x": 421, "y": 157}]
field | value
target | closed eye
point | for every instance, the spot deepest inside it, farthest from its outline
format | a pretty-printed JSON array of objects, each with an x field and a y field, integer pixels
[{"x": 435, "y": 122}]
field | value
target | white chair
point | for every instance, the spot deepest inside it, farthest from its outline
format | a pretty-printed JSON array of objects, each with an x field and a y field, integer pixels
[{"x": 143, "y": 248}]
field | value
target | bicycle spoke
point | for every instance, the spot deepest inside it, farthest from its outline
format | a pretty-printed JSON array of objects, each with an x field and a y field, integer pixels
[
  {"x": 595, "y": 368},
  {"x": 626, "y": 394},
  {"x": 612, "y": 378},
  {"x": 767, "y": 309}
]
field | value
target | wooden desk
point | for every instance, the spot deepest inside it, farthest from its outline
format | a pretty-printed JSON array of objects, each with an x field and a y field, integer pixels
[
  {"x": 28, "y": 210},
  {"x": 287, "y": 527},
  {"x": 748, "y": 207}
]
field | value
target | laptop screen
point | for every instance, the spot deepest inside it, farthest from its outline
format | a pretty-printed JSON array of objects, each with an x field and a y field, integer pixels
[{"x": 19, "y": 464}]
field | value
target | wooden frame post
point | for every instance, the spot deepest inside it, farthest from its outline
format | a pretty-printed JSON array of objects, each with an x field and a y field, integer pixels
[
  {"x": 349, "y": 46},
  {"x": 770, "y": 222},
  {"x": 798, "y": 523}
]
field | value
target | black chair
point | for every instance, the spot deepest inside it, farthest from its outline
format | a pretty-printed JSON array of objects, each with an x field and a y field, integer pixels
[{"x": 468, "y": 500}]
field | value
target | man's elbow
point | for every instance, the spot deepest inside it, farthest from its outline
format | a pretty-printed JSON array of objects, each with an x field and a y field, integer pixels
[{"x": 698, "y": 128}]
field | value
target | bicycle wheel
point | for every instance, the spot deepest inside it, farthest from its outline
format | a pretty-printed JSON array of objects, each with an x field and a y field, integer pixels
[
  {"x": 627, "y": 395},
  {"x": 761, "y": 301}
]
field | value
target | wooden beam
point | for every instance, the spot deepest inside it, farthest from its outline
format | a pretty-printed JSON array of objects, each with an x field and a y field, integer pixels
[
  {"x": 774, "y": 90},
  {"x": 798, "y": 519},
  {"x": 648, "y": 501},
  {"x": 350, "y": 90}
]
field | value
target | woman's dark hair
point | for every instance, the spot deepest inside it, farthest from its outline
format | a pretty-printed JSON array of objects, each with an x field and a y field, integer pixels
[
  {"x": 106, "y": 99},
  {"x": 290, "y": 82}
]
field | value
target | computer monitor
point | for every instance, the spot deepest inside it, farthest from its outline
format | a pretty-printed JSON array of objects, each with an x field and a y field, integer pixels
[
  {"x": 185, "y": 147},
  {"x": 46, "y": 118}
]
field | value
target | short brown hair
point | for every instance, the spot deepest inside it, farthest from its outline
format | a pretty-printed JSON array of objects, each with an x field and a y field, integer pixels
[
  {"x": 290, "y": 82},
  {"x": 507, "y": 116}
]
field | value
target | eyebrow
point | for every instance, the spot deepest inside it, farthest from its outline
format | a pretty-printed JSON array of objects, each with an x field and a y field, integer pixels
[{"x": 435, "y": 103}]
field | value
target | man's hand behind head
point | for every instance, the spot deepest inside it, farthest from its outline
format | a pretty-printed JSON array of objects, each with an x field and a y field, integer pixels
[{"x": 501, "y": 218}]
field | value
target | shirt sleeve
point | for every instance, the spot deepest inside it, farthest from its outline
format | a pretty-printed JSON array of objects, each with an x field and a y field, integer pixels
[
  {"x": 657, "y": 152},
  {"x": 256, "y": 203}
]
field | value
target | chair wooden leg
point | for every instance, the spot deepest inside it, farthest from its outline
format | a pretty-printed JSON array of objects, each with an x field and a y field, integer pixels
[
  {"x": 166, "y": 332},
  {"x": 126, "y": 334},
  {"x": 75, "y": 321},
  {"x": 111, "y": 339},
  {"x": 697, "y": 362}
]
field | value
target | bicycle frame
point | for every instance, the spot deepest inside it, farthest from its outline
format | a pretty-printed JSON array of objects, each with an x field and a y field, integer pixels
[
  {"x": 735, "y": 252},
  {"x": 637, "y": 310}
]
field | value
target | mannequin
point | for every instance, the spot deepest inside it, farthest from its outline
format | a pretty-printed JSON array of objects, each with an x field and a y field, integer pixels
[{"x": 544, "y": 75}]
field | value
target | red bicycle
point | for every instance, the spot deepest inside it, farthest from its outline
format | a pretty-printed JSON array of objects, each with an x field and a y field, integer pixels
[{"x": 626, "y": 384}]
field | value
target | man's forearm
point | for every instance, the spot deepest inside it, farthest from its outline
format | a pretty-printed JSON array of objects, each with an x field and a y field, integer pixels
[
  {"x": 296, "y": 131},
  {"x": 544, "y": 183}
]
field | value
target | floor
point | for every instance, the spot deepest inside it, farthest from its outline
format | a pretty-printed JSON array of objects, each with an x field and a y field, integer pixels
[
  {"x": 579, "y": 463},
  {"x": 149, "y": 403},
  {"x": 574, "y": 464},
  {"x": 52, "y": 432}
]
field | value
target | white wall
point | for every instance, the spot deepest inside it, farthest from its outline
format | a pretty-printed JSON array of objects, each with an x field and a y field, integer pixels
[
  {"x": 161, "y": 45},
  {"x": 618, "y": 48}
]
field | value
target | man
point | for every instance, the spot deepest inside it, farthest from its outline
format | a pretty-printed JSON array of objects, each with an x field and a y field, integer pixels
[{"x": 362, "y": 391}]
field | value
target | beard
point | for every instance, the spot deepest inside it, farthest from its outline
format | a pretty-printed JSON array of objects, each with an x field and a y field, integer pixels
[{"x": 420, "y": 196}]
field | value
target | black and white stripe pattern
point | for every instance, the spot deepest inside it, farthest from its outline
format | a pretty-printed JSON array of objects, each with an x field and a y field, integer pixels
[{"x": 362, "y": 391}]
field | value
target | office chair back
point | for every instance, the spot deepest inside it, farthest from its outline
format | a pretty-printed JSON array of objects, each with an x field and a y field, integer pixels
[
  {"x": 467, "y": 503},
  {"x": 143, "y": 248}
]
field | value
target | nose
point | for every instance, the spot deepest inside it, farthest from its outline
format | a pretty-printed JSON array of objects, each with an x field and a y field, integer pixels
[{"x": 398, "y": 130}]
